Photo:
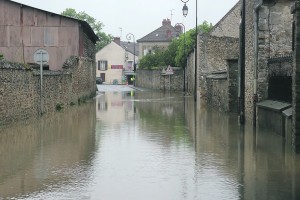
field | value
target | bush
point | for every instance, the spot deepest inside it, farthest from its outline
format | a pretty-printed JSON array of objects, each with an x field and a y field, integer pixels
[
  {"x": 1, "y": 57},
  {"x": 59, "y": 107}
]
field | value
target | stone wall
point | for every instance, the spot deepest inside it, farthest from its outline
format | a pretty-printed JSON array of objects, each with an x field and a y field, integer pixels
[
  {"x": 190, "y": 73},
  {"x": 274, "y": 38},
  {"x": 20, "y": 93},
  {"x": 153, "y": 79},
  {"x": 296, "y": 82},
  {"x": 221, "y": 88},
  {"x": 213, "y": 56},
  {"x": 217, "y": 92},
  {"x": 215, "y": 51},
  {"x": 249, "y": 60},
  {"x": 228, "y": 25}
]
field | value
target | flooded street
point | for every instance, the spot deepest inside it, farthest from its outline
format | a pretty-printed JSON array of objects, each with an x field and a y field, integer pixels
[{"x": 143, "y": 145}]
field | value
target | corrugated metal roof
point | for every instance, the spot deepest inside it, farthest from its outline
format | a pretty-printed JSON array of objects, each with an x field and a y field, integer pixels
[{"x": 85, "y": 26}]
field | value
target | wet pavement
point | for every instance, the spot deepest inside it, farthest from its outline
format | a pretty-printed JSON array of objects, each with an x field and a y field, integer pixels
[
  {"x": 131, "y": 144},
  {"x": 116, "y": 88}
]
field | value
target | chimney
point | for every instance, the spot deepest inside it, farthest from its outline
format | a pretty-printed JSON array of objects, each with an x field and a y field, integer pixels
[
  {"x": 117, "y": 40},
  {"x": 166, "y": 22}
]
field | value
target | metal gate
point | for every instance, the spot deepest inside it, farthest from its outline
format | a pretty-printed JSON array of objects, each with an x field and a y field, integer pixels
[{"x": 280, "y": 71}]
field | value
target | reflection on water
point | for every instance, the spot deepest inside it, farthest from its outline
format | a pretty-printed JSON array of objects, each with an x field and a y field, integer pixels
[
  {"x": 48, "y": 155},
  {"x": 144, "y": 145}
]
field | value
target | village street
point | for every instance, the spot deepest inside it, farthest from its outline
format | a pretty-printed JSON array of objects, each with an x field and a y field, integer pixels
[{"x": 115, "y": 88}]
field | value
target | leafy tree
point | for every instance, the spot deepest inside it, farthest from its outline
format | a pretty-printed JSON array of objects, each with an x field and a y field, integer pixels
[
  {"x": 177, "y": 51},
  {"x": 187, "y": 46},
  {"x": 153, "y": 59},
  {"x": 95, "y": 25},
  {"x": 1, "y": 57}
]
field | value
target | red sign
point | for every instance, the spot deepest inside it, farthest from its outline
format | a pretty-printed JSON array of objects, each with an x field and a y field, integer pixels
[{"x": 116, "y": 66}]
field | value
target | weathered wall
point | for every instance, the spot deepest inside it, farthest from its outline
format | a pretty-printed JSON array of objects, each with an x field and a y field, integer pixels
[
  {"x": 153, "y": 79},
  {"x": 296, "y": 82},
  {"x": 215, "y": 51},
  {"x": 213, "y": 56},
  {"x": 190, "y": 73},
  {"x": 249, "y": 60},
  {"x": 228, "y": 25},
  {"x": 274, "y": 38},
  {"x": 217, "y": 93},
  {"x": 20, "y": 88},
  {"x": 24, "y": 30}
]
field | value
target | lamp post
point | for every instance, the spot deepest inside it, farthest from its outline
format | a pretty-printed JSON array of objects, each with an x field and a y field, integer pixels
[
  {"x": 176, "y": 27},
  {"x": 185, "y": 12},
  {"x": 129, "y": 37}
]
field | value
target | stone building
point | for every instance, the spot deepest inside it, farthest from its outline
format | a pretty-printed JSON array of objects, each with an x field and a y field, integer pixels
[
  {"x": 24, "y": 29},
  {"x": 271, "y": 67},
  {"x": 217, "y": 63},
  {"x": 296, "y": 75},
  {"x": 268, "y": 42}
]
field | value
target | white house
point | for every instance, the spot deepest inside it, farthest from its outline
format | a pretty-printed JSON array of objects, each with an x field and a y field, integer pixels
[{"x": 115, "y": 62}]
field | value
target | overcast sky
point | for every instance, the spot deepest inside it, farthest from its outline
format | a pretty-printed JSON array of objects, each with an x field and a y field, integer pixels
[{"x": 139, "y": 17}]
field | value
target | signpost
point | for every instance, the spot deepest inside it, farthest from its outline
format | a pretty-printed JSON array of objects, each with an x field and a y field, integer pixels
[
  {"x": 41, "y": 57},
  {"x": 169, "y": 71}
]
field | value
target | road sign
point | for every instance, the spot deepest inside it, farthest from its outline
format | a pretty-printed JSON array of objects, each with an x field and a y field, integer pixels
[
  {"x": 41, "y": 56},
  {"x": 169, "y": 70}
]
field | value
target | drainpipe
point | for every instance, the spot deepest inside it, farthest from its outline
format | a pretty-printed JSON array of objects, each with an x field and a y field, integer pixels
[
  {"x": 241, "y": 94},
  {"x": 255, "y": 99}
]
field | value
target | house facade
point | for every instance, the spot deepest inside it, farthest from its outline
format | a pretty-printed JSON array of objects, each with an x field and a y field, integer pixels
[
  {"x": 29, "y": 29},
  {"x": 115, "y": 62},
  {"x": 269, "y": 46},
  {"x": 160, "y": 37}
]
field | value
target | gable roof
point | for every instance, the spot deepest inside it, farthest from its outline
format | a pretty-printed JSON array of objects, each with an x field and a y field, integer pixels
[
  {"x": 164, "y": 33},
  {"x": 122, "y": 46},
  {"x": 130, "y": 48},
  {"x": 219, "y": 23},
  {"x": 85, "y": 26}
]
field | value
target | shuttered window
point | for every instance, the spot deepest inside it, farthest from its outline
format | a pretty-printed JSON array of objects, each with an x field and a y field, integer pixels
[{"x": 102, "y": 65}]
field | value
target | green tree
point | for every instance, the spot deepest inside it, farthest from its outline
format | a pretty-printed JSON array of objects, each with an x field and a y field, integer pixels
[
  {"x": 153, "y": 59},
  {"x": 184, "y": 48},
  {"x": 177, "y": 52},
  {"x": 97, "y": 26}
]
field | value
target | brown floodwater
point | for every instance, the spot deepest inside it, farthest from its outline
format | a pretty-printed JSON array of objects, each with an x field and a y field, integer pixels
[{"x": 144, "y": 146}]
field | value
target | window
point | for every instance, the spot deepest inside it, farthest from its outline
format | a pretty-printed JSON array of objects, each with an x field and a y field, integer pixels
[
  {"x": 130, "y": 64},
  {"x": 102, "y": 65}
]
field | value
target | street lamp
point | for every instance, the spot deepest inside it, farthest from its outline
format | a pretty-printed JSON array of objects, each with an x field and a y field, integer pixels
[
  {"x": 185, "y": 12},
  {"x": 178, "y": 30},
  {"x": 129, "y": 37}
]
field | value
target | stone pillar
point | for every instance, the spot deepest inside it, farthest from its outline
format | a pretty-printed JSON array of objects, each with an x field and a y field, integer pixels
[{"x": 296, "y": 78}]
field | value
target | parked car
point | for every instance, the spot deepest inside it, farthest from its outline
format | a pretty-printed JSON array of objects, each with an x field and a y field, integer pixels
[{"x": 99, "y": 80}]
